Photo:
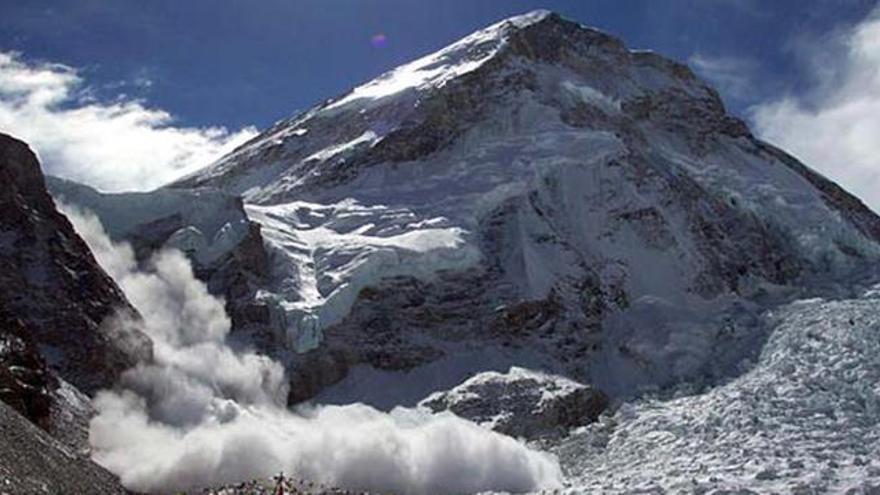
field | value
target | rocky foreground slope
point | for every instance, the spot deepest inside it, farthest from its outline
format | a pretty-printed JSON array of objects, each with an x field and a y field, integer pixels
[{"x": 32, "y": 461}]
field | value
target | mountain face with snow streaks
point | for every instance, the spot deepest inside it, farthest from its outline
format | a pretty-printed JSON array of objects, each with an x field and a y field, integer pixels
[
  {"x": 536, "y": 192},
  {"x": 527, "y": 228},
  {"x": 594, "y": 201}
]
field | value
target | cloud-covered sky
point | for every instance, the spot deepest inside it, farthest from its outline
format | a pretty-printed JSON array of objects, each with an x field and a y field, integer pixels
[
  {"x": 112, "y": 144},
  {"x": 835, "y": 125},
  {"x": 125, "y": 97},
  {"x": 252, "y": 63}
]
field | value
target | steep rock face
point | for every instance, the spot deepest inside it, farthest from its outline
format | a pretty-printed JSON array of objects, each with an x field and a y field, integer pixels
[
  {"x": 54, "y": 297},
  {"x": 538, "y": 186},
  {"x": 26, "y": 382}
]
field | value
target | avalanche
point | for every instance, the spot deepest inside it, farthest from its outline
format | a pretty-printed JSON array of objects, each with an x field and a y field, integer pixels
[
  {"x": 202, "y": 413},
  {"x": 539, "y": 195}
]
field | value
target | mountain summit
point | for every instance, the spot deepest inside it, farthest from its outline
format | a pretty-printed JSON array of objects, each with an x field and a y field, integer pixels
[
  {"x": 425, "y": 105},
  {"x": 535, "y": 194},
  {"x": 537, "y": 181}
]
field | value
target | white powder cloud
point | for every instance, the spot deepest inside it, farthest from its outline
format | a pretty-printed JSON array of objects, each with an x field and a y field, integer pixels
[
  {"x": 113, "y": 146},
  {"x": 203, "y": 414},
  {"x": 835, "y": 127}
]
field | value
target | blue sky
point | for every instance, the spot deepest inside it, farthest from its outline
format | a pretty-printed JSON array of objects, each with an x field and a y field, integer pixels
[
  {"x": 125, "y": 94},
  {"x": 236, "y": 62}
]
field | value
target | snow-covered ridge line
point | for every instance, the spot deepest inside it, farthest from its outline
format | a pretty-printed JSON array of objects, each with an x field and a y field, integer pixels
[
  {"x": 377, "y": 106},
  {"x": 430, "y": 71},
  {"x": 436, "y": 69},
  {"x": 211, "y": 222}
]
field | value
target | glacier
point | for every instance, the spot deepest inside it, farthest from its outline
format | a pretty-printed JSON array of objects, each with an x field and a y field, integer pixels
[{"x": 802, "y": 418}]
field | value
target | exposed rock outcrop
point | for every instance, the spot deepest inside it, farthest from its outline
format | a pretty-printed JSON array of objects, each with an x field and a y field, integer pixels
[
  {"x": 52, "y": 290},
  {"x": 26, "y": 382},
  {"x": 58, "y": 338},
  {"x": 522, "y": 403}
]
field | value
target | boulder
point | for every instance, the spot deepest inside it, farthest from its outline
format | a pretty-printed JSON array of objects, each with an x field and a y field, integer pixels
[{"x": 522, "y": 403}]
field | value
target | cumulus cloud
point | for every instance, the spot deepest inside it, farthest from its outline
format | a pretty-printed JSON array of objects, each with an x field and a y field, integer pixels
[
  {"x": 834, "y": 128},
  {"x": 111, "y": 145},
  {"x": 203, "y": 414}
]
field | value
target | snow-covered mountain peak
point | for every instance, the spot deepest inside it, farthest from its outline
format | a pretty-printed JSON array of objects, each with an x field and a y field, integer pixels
[
  {"x": 526, "y": 19},
  {"x": 436, "y": 69},
  {"x": 420, "y": 107},
  {"x": 595, "y": 201}
]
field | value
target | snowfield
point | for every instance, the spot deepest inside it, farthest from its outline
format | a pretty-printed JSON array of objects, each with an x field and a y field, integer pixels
[{"x": 803, "y": 419}]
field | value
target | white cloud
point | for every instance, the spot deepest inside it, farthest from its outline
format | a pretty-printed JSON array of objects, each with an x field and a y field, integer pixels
[
  {"x": 732, "y": 75},
  {"x": 203, "y": 414},
  {"x": 112, "y": 145},
  {"x": 835, "y": 127}
]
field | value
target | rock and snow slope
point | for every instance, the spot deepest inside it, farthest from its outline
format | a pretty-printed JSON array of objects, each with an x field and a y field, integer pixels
[
  {"x": 32, "y": 461},
  {"x": 537, "y": 194},
  {"x": 522, "y": 403},
  {"x": 535, "y": 185},
  {"x": 803, "y": 419}
]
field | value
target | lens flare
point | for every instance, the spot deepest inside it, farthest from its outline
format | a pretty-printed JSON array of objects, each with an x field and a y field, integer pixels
[{"x": 379, "y": 40}]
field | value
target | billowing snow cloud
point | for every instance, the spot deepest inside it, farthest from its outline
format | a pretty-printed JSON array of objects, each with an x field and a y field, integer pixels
[
  {"x": 835, "y": 128},
  {"x": 112, "y": 145},
  {"x": 204, "y": 414}
]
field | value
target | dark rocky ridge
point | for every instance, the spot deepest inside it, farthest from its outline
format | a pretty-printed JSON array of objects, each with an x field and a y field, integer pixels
[
  {"x": 57, "y": 308},
  {"x": 50, "y": 281}
]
